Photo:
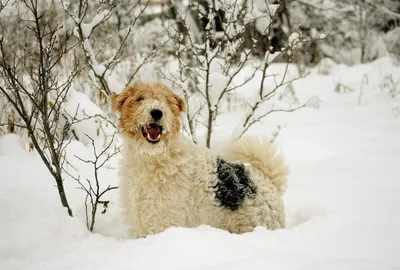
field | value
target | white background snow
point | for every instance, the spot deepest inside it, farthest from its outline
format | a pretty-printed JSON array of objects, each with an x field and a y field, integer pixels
[{"x": 342, "y": 204}]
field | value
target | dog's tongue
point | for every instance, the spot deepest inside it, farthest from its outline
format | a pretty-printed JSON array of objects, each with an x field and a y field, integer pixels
[{"x": 153, "y": 130}]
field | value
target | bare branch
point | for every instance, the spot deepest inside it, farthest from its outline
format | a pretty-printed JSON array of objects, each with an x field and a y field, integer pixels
[
  {"x": 92, "y": 188},
  {"x": 3, "y": 4},
  {"x": 258, "y": 119}
]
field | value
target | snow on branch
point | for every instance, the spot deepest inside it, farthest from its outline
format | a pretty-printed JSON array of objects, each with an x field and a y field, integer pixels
[
  {"x": 213, "y": 68},
  {"x": 87, "y": 28},
  {"x": 101, "y": 72}
]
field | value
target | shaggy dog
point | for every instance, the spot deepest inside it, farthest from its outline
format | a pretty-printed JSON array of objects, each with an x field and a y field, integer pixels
[{"x": 167, "y": 180}]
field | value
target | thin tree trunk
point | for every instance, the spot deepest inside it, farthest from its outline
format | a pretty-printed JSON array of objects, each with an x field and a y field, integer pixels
[{"x": 63, "y": 197}]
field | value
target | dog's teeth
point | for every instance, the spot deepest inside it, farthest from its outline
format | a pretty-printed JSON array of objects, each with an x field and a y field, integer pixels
[{"x": 151, "y": 139}]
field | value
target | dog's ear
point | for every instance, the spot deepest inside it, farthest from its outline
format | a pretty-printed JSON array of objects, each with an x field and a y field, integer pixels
[
  {"x": 118, "y": 100},
  {"x": 180, "y": 102}
]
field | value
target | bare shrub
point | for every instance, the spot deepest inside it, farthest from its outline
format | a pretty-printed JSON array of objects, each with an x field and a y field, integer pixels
[{"x": 35, "y": 89}]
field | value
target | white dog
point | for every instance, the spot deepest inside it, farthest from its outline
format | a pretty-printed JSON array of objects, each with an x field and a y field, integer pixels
[{"x": 167, "y": 180}]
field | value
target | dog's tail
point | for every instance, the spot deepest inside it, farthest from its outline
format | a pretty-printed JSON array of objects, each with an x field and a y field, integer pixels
[{"x": 262, "y": 155}]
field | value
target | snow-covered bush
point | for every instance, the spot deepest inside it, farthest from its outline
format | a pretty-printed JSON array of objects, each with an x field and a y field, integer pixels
[
  {"x": 356, "y": 28},
  {"x": 220, "y": 61},
  {"x": 112, "y": 33}
]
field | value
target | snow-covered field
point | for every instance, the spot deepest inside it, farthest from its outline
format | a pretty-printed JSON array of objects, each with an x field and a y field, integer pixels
[{"x": 343, "y": 203}]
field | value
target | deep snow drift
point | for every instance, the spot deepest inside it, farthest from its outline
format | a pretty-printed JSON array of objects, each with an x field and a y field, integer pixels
[{"x": 342, "y": 201}]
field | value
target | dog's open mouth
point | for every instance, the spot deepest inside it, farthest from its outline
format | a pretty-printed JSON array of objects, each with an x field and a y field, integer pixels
[{"x": 152, "y": 132}]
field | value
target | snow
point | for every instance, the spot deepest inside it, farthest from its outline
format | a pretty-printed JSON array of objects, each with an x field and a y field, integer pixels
[
  {"x": 216, "y": 85},
  {"x": 99, "y": 69},
  {"x": 87, "y": 118},
  {"x": 87, "y": 28},
  {"x": 115, "y": 82},
  {"x": 342, "y": 201},
  {"x": 12, "y": 145},
  {"x": 293, "y": 39},
  {"x": 262, "y": 13},
  {"x": 90, "y": 54}
]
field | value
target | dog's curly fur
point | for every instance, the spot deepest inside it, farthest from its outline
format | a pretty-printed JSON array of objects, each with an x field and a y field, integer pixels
[{"x": 171, "y": 181}]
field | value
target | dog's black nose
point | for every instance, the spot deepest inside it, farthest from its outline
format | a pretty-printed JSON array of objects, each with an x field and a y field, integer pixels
[{"x": 156, "y": 114}]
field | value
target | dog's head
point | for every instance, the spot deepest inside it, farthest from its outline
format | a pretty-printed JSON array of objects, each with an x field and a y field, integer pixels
[{"x": 148, "y": 113}]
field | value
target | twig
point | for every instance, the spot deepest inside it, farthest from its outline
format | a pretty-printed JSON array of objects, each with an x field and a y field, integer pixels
[{"x": 94, "y": 191}]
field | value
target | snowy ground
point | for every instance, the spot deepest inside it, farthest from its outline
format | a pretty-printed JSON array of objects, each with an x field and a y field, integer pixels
[{"x": 342, "y": 203}]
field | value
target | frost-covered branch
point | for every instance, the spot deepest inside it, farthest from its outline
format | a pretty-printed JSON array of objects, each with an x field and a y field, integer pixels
[{"x": 100, "y": 71}]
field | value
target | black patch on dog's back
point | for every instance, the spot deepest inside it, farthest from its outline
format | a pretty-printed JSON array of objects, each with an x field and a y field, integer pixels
[{"x": 233, "y": 184}]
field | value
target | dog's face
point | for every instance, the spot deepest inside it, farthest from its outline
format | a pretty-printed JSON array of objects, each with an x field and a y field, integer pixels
[{"x": 148, "y": 113}]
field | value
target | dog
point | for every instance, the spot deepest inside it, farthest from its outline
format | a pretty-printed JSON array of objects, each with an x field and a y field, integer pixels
[{"x": 167, "y": 180}]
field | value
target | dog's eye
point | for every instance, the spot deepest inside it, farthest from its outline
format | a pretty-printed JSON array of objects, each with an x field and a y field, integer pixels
[{"x": 139, "y": 99}]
